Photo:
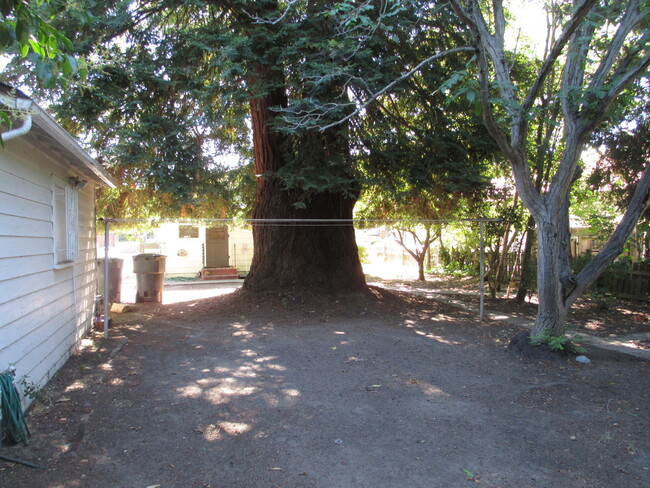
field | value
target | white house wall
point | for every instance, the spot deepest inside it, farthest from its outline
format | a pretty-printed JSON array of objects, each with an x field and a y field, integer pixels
[
  {"x": 190, "y": 260},
  {"x": 241, "y": 249},
  {"x": 44, "y": 310}
]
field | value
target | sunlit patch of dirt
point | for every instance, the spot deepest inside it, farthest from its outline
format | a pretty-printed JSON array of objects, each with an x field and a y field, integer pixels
[{"x": 608, "y": 316}]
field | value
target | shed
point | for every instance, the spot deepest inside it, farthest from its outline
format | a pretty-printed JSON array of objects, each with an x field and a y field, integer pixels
[{"x": 48, "y": 276}]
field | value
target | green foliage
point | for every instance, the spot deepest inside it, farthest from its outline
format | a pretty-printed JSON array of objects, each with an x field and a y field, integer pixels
[
  {"x": 422, "y": 153},
  {"x": 622, "y": 265},
  {"x": 363, "y": 255},
  {"x": 26, "y": 31},
  {"x": 170, "y": 86},
  {"x": 153, "y": 110},
  {"x": 456, "y": 268},
  {"x": 169, "y": 91},
  {"x": 557, "y": 343},
  {"x": 624, "y": 144},
  {"x": 34, "y": 392}
]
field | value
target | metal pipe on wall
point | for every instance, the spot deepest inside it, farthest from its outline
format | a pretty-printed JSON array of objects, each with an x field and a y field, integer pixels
[{"x": 106, "y": 308}]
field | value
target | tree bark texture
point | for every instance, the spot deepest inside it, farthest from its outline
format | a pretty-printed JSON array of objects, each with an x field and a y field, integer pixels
[
  {"x": 552, "y": 309},
  {"x": 289, "y": 255},
  {"x": 527, "y": 262}
]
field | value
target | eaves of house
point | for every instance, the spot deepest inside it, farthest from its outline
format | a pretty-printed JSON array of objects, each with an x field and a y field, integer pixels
[{"x": 44, "y": 133}]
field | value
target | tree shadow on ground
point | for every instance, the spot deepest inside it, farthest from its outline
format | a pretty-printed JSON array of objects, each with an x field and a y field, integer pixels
[{"x": 287, "y": 390}]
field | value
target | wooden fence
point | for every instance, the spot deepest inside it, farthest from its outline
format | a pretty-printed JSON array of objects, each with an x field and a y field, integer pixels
[{"x": 634, "y": 284}]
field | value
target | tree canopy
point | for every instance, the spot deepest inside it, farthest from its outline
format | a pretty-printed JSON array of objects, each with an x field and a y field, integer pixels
[
  {"x": 321, "y": 100},
  {"x": 170, "y": 83}
]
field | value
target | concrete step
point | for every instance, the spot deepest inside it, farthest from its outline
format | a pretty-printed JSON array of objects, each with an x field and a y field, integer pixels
[{"x": 219, "y": 273}]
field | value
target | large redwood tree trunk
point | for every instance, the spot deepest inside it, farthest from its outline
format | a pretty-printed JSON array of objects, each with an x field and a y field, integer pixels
[{"x": 297, "y": 254}]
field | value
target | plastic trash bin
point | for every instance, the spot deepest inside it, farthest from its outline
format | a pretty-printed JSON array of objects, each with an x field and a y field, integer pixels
[
  {"x": 114, "y": 278},
  {"x": 149, "y": 272}
]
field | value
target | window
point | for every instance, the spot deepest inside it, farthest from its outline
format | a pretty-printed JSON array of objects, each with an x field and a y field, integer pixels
[
  {"x": 65, "y": 221},
  {"x": 188, "y": 232}
]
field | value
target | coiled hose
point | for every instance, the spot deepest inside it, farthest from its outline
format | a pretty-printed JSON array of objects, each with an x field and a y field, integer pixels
[{"x": 14, "y": 428}]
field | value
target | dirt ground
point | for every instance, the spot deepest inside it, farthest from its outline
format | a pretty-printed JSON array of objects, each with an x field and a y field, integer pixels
[
  {"x": 599, "y": 315},
  {"x": 297, "y": 390}
]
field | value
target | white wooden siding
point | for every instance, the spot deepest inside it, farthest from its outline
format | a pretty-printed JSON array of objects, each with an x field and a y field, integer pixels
[
  {"x": 191, "y": 262},
  {"x": 44, "y": 312}
]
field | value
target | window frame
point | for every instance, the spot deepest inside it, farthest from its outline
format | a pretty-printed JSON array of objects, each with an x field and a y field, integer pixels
[
  {"x": 188, "y": 231},
  {"x": 65, "y": 223}
]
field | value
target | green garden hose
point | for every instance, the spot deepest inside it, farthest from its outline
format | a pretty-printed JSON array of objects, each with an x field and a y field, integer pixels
[{"x": 14, "y": 428}]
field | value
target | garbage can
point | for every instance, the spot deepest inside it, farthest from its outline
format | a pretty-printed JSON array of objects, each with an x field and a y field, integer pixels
[
  {"x": 114, "y": 278},
  {"x": 149, "y": 272}
]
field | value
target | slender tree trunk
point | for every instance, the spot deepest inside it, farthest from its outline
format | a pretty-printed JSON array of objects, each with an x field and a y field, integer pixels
[
  {"x": 557, "y": 287},
  {"x": 552, "y": 309},
  {"x": 527, "y": 262},
  {"x": 420, "y": 261},
  {"x": 444, "y": 252},
  {"x": 420, "y": 254}
]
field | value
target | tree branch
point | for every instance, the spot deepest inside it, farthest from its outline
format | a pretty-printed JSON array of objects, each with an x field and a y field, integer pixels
[
  {"x": 633, "y": 16},
  {"x": 259, "y": 20},
  {"x": 373, "y": 97},
  {"x": 493, "y": 46},
  {"x": 638, "y": 205},
  {"x": 555, "y": 52},
  {"x": 595, "y": 117}
]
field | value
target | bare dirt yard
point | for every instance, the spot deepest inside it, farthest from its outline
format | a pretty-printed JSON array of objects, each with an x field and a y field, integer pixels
[
  {"x": 387, "y": 389},
  {"x": 595, "y": 314}
]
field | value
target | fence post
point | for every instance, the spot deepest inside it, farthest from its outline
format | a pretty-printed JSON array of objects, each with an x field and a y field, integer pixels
[
  {"x": 482, "y": 266},
  {"x": 106, "y": 307}
]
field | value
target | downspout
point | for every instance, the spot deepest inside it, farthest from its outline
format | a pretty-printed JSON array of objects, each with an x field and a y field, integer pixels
[{"x": 21, "y": 106}]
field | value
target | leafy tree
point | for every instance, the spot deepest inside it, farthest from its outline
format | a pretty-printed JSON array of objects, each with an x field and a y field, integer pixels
[
  {"x": 26, "y": 30},
  {"x": 422, "y": 153},
  {"x": 26, "y": 33},
  {"x": 414, "y": 218},
  {"x": 502, "y": 234},
  {"x": 174, "y": 84},
  {"x": 604, "y": 48},
  {"x": 624, "y": 150}
]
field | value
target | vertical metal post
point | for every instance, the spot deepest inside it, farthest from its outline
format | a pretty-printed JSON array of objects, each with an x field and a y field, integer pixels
[
  {"x": 106, "y": 316},
  {"x": 482, "y": 285}
]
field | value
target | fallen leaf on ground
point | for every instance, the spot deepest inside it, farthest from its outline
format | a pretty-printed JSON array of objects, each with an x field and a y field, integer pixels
[{"x": 471, "y": 476}]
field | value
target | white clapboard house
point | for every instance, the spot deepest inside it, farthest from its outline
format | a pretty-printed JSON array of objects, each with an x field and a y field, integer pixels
[{"x": 47, "y": 241}]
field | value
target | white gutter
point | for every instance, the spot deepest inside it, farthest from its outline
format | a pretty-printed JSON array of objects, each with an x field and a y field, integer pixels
[
  {"x": 29, "y": 111},
  {"x": 21, "y": 106}
]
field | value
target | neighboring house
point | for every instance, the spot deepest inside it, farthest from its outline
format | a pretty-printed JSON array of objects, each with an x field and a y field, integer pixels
[
  {"x": 582, "y": 240},
  {"x": 192, "y": 248},
  {"x": 47, "y": 241}
]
